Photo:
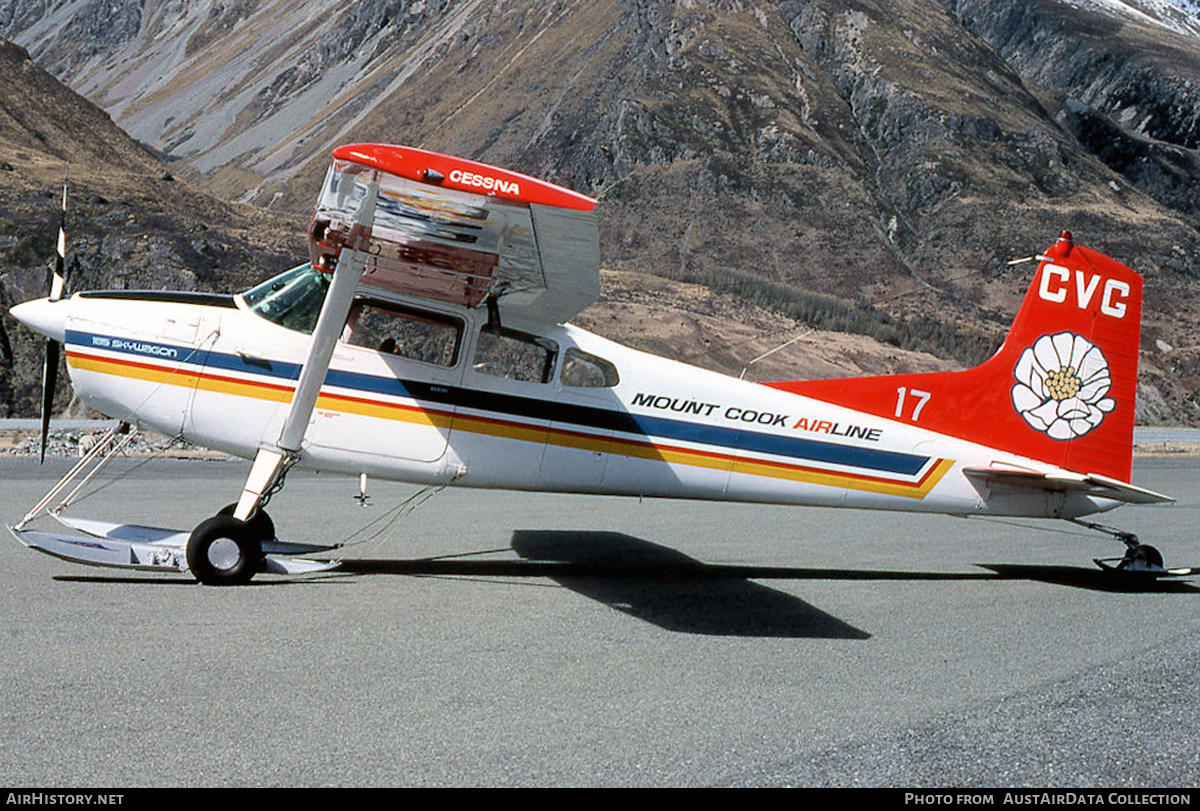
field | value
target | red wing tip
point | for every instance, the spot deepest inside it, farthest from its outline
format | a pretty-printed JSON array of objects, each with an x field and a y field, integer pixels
[{"x": 448, "y": 171}]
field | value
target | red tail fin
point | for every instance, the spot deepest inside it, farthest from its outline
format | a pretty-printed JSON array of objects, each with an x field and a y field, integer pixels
[{"x": 1062, "y": 387}]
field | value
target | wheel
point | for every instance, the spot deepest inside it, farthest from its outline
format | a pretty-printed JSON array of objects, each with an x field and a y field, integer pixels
[
  {"x": 223, "y": 551},
  {"x": 260, "y": 524},
  {"x": 1142, "y": 558}
]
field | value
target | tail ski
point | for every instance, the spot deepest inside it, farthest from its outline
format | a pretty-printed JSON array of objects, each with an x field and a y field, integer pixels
[{"x": 1060, "y": 390}]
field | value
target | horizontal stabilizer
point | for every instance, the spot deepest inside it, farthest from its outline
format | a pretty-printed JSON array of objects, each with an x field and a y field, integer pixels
[{"x": 1091, "y": 484}]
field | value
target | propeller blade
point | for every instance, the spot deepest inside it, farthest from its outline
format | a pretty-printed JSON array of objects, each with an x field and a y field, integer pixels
[
  {"x": 6, "y": 356},
  {"x": 58, "y": 285},
  {"x": 58, "y": 282},
  {"x": 49, "y": 379}
]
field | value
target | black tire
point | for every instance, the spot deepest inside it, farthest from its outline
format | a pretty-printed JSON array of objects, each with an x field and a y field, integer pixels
[
  {"x": 260, "y": 524},
  {"x": 222, "y": 551}
]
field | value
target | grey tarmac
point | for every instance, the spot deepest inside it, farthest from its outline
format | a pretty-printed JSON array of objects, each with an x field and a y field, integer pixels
[{"x": 478, "y": 638}]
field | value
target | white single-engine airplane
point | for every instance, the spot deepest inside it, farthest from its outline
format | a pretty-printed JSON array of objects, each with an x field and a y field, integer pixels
[{"x": 427, "y": 341}]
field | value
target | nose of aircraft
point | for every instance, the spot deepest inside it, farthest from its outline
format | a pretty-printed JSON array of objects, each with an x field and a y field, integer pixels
[{"x": 43, "y": 315}]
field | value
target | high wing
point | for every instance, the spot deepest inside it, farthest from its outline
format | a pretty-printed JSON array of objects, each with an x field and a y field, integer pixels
[{"x": 458, "y": 231}]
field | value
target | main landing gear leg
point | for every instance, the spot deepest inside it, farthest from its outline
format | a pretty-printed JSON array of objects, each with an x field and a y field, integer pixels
[{"x": 227, "y": 549}]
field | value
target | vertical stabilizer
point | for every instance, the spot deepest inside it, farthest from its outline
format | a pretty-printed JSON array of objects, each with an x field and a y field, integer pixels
[{"x": 1061, "y": 389}]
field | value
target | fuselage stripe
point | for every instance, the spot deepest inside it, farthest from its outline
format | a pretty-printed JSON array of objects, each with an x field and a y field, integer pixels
[{"x": 889, "y": 472}]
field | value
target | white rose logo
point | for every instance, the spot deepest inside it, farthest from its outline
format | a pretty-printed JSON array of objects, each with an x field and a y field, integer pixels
[{"x": 1062, "y": 386}]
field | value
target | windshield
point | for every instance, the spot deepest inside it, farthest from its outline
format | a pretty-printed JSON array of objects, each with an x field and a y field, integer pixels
[{"x": 292, "y": 299}]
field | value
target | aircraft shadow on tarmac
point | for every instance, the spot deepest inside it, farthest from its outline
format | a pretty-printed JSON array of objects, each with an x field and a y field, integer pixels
[
  {"x": 667, "y": 588},
  {"x": 663, "y": 586},
  {"x": 654, "y": 583}
]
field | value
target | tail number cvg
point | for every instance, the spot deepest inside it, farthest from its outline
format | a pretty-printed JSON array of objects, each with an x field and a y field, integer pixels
[{"x": 1056, "y": 286}]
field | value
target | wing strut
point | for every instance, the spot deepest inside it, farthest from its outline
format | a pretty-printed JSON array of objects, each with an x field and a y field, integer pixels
[{"x": 272, "y": 462}]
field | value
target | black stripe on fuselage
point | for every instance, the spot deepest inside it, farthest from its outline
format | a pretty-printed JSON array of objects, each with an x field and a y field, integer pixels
[{"x": 169, "y": 296}]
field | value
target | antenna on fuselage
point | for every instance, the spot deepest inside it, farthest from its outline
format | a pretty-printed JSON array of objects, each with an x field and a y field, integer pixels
[{"x": 768, "y": 353}]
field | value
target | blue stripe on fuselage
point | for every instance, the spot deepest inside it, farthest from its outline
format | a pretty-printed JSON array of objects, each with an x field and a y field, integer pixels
[{"x": 510, "y": 406}]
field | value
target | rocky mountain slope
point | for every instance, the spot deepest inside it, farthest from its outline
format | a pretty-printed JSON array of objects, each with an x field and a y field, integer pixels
[
  {"x": 857, "y": 165},
  {"x": 133, "y": 224}
]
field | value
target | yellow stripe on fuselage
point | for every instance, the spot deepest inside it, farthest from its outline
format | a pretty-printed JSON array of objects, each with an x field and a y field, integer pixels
[
  {"x": 522, "y": 432},
  {"x": 180, "y": 376}
]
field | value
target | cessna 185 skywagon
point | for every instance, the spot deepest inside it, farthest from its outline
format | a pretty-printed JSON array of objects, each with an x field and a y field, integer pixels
[{"x": 427, "y": 341}]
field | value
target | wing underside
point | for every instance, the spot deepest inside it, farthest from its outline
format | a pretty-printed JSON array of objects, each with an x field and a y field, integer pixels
[{"x": 527, "y": 244}]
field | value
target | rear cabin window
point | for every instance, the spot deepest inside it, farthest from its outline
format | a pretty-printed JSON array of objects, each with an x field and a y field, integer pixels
[
  {"x": 414, "y": 334},
  {"x": 515, "y": 355},
  {"x": 582, "y": 370}
]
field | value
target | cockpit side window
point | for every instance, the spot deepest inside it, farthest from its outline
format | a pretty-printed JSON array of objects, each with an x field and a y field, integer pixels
[
  {"x": 584, "y": 370},
  {"x": 292, "y": 299},
  {"x": 415, "y": 334},
  {"x": 515, "y": 355}
]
